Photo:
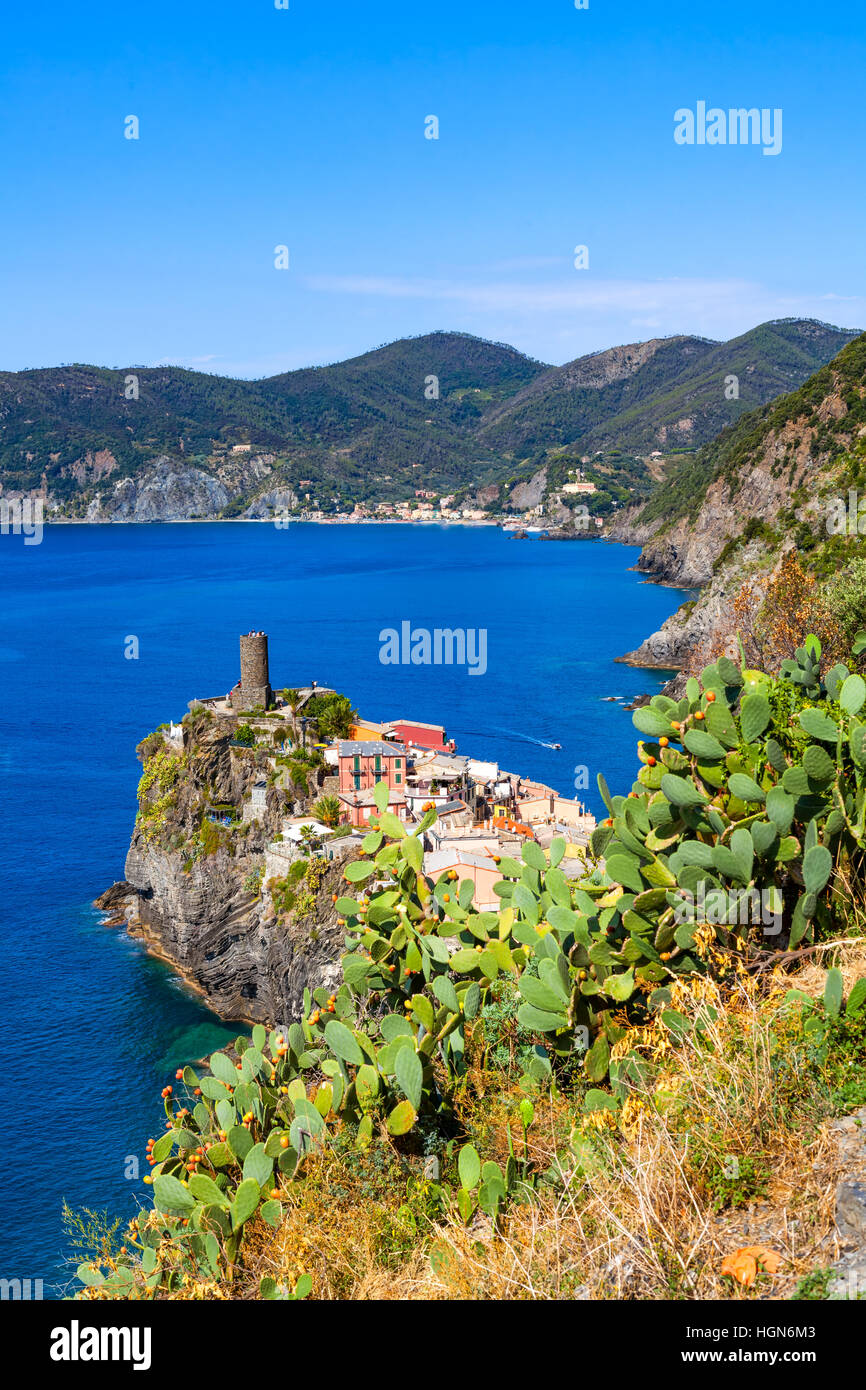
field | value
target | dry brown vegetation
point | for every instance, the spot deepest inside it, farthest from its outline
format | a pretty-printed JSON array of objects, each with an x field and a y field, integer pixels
[
  {"x": 770, "y": 615},
  {"x": 641, "y": 1211}
]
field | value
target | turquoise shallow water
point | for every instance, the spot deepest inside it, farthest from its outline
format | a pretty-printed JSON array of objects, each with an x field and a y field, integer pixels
[{"x": 92, "y": 1027}]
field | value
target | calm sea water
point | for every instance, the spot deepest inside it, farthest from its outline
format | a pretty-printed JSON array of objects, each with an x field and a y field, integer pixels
[{"x": 92, "y": 1027}]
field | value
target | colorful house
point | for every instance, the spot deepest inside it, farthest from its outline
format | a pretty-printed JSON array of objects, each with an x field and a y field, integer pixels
[
  {"x": 367, "y": 729},
  {"x": 364, "y": 762},
  {"x": 358, "y": 807},
  {"x": 413, "y": 731},
  {"x": 480, "y": 869}
]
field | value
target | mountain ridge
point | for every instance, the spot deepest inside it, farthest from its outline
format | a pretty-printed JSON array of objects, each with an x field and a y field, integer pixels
[
  {"x": 447, "y": 411},
  {"x": 762, "y": 489}
]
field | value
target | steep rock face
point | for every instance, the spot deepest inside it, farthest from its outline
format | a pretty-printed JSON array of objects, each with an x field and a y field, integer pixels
[
  {"x": 696, "y": 627},
  {"x": 195, "y": 890},
  {"x": 686, "y": 551},
  {"x": 229, "y": 944},
  {"x": 787, "y": 453},
  {"x": 168, "y": 492},
  {"x": 530, "y": 493},
  {"x": 273, "y": 502}
]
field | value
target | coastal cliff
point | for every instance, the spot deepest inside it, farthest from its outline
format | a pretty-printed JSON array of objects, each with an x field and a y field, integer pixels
[
  {"x": 764, "y": 489},
  {"x": 245, "y": 918}
]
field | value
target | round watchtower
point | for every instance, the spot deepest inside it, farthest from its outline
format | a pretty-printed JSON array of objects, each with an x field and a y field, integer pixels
[
  {"x": 254, "y": 661},
  {"x": 254, "y": 688}
]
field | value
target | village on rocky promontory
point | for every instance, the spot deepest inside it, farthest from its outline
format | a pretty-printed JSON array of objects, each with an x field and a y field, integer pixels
[{"x": 251, "y": 806}]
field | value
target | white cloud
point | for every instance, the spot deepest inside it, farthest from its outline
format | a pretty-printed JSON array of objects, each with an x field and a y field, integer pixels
[
  {"x": 600, "y": 312},
  {"x": 551, "y": 297}
]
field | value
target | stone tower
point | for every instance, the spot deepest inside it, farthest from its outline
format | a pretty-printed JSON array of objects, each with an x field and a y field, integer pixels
[{"x": 254, "y": 685}]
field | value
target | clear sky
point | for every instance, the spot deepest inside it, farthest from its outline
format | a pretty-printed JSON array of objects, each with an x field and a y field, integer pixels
[{"x": 305, "y": 127}]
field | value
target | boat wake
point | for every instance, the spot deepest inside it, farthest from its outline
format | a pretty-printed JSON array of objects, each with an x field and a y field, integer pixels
[{"x": 526, "y": 738}]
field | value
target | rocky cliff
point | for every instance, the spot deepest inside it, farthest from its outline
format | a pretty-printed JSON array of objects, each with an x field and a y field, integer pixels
[
  {"x": 247, "y": 926},
  {"x": 170, "y": 490},
  {"x": 730, "y": 514}
]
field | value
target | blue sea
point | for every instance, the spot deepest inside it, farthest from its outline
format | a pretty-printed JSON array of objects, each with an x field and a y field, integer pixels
[{"x": 93, "y": 1028}]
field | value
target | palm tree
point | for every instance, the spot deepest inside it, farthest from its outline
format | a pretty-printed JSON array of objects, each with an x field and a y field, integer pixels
[
  {"x": 293, "y": 700},
  {"x": 336, "y": 719},
  {"x": 328, "y": 809}
]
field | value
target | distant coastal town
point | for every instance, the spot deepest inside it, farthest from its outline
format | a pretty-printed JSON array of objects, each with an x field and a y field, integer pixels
[{"x": 428, "y": 505}]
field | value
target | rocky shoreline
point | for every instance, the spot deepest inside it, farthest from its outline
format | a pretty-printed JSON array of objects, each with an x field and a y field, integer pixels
[{"x": 204, "y": 915}]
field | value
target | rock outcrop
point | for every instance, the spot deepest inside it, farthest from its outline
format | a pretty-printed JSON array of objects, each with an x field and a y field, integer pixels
[
  {"x": 167, "y": 492},
  {"x": 196, "y": 890},
  {"x": 770, "y": 476}
]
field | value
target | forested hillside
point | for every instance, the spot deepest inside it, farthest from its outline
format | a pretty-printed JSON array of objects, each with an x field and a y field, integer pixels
[{"x": 446, "y": 411}]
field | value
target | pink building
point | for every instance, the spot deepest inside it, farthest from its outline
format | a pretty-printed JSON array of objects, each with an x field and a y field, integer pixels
[
  {"x": 363, "y": 763},
  {"x": 356, "y": 808}
]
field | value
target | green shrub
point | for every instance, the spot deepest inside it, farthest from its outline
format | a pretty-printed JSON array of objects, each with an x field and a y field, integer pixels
[{"x": 729, "y": 802}]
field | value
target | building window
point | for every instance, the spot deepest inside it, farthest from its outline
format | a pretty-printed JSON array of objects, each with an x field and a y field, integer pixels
[
  {"x": 378, "y": 763},
  {"x": 397, "y": 762},
  {"x": 398, "y": 778},
  {"x": 379, "y": 776},
  {"x": 357, "y": 763},
  {"x": 357, "y": 780}
]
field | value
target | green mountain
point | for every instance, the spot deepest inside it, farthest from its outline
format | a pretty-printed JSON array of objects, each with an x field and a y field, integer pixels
[
  {"x": 446, "y": 412},
  {"x": 823, "y": 418},
  {"x": 661, "y": 395},
  {"x": 783, "y": 483},
  {"x": 348, "y": 422}
]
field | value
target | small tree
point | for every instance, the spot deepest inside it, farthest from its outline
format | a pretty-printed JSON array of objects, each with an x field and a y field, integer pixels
[
  {"x": 293, "y": 700},
  {"x": 335, "y": 719},
  {"x": 328, "y": 809}
]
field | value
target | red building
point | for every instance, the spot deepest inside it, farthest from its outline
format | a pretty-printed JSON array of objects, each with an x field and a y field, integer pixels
[
  {"x": 412, "y": 731},
  {"x": 363, "y": 763}
]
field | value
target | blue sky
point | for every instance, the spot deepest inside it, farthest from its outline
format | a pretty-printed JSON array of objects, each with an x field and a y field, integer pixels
[{"x": 305, "y": 127}]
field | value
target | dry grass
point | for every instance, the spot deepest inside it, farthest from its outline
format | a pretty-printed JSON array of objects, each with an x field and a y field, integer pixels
[{"x": 638, "y": 1212}]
